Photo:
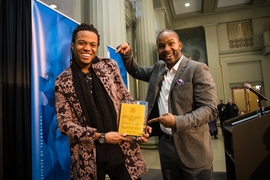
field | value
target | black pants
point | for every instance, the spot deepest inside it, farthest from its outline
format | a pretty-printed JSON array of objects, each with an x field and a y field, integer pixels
[
  {"x": 173, "y": 168},
  {"x": 221, "y": 124},
  {"x": 214, "y": 133}
]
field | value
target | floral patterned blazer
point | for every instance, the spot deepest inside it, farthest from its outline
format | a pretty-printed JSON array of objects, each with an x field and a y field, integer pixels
[{"x": 72, "y": 122}]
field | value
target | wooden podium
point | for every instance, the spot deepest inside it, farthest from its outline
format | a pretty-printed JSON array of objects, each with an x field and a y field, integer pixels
[{"x": 246, "y": 139}]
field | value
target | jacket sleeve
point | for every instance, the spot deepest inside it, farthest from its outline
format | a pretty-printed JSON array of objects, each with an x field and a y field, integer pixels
[
  {"x": 138, "y": 72},
  {"x": 68, "y": 118},
  {"x": 199, "y": 101}
]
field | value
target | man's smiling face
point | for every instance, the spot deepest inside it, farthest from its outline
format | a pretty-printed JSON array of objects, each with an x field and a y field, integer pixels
[
  {"x": 85, "y": 48},
  {"x": 169, "y": 48}
]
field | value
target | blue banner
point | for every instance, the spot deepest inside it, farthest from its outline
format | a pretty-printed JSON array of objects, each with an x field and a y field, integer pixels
[
  {"x": 51, "y": 39},
  {"x": 117, "y": 57}
]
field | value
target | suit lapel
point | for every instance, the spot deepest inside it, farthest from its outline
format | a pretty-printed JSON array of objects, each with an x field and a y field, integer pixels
[{"x": 159, "y": 81}]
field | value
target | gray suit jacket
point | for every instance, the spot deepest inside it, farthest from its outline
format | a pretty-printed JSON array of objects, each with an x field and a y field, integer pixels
[{"x": 192, "y": 102}]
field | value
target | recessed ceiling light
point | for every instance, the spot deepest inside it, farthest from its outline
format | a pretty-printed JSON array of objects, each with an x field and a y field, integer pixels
[
  {"x": 53, "y": 6},
  {"x": 187, "y": 4}
]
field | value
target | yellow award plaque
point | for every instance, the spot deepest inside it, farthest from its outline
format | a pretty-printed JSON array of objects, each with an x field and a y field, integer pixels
[{"x": 133, "y": 118}]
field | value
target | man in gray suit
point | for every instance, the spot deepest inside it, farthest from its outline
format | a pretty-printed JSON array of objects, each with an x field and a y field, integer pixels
[{"x": 182, "y": 100}]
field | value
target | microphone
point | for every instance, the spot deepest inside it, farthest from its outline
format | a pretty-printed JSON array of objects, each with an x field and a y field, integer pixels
[{"x": 248, "y": 86}]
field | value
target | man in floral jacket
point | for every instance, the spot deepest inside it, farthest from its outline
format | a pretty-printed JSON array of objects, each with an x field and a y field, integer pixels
[{"x": 88, "y": 97}]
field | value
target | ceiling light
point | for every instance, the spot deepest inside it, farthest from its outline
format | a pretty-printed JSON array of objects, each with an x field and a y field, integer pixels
[
  {"x": 187, "y": 4},
  {"x": 53, "y": 6}
]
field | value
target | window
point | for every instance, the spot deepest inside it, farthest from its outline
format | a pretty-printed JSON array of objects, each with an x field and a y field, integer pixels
[{"x": 240, "y": 34}]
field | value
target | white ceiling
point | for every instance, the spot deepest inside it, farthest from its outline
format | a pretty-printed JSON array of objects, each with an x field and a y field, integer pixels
[
  {"x": 179, "y": 6},
  {"x": 176, "y": 8},
  {"x": 231, "y": 2},
  {"x": 195, "y": 5}
]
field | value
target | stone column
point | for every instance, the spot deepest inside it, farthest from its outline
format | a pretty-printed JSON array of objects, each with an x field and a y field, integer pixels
[
  {"x": 146, "y": 38},
  {"x": 160, "y": 20},
  {"x": 213, "y": 56},
  {"x": 108, "y": 16},
  {"x": 76, "y": 10},
  {"x": 146, "y": 49}
]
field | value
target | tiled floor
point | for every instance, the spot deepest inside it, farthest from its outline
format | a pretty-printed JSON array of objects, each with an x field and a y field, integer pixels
[{"x": 152, "y": 158}]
